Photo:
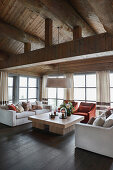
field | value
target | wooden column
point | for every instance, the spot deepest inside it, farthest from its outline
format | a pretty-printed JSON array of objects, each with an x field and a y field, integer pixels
[
  {"x": 77, "y": 32},
  {"x": 48, "y": 32},
  {"x": 27, "y": 47}
]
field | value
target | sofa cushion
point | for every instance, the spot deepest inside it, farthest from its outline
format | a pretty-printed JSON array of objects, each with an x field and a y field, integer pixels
[
  {"x": 108, "y": 113},
  {"x": 36, "y": 107},
  {"x": 87, "y": 104},
  {"x": 12, "y": 107},
  {"x": 81, "y": 113},
  {"x": 99, "y": 121},
  {"x": 27, "y": 106},
  {"x": 85, "y": 108},
  {"x": 39, "y": 103},
  {"x": 19, "y": 108},
  {"x": 109, "y": 121},
  {"x": 5, "y": 107},
  {"x": 42, "y": 111},
  {"x": 90, "y": 122},
  {"x": 24, "y": 114}
]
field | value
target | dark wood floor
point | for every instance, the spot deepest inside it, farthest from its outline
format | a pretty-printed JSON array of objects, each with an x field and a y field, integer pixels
[{"x": 22, "y": 148}]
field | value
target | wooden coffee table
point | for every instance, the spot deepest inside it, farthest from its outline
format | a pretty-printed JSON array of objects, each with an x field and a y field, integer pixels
[{"x": 55, "y": 125}]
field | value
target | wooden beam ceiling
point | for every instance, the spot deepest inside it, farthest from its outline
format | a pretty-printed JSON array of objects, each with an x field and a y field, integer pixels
[
  {"x": 87, "y": 65},
  {"x": 60, "y": 11},
  {"x": 89, "y": 47},
  {"x": 86, "y": 11},
  {"x": 7, "y": 30},
  {"x": 48, "y": 32},
  {"x": 104, "y": 10},
  {"x": 3, "y": 56}
]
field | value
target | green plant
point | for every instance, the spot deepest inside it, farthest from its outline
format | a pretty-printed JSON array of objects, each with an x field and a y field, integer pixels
[{"x": 69, "y": 107}]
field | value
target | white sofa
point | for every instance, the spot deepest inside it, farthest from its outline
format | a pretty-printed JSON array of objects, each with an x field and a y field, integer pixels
[
  {"x": 94, "y": 138},
  {"x": 11, "y": 118}
]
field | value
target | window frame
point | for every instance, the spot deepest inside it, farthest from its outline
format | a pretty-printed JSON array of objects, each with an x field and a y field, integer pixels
[
  {"x": 27, "y": 87},
  {"x": 85, "y": 87},
  {"x": 16, "y": 86},
  {"x": 52, "y": 76}
]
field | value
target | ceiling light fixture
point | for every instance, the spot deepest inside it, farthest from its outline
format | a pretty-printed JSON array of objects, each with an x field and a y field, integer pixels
[{"x": 59, "y": 82}]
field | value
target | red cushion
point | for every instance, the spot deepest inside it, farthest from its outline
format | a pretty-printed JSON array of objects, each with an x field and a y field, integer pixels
[
  {"x": 12, "y": 107},
  {"x": 85, "y": 108},
  {"x": 81, "y": 113},
  {"x": 87, "y": 104}
]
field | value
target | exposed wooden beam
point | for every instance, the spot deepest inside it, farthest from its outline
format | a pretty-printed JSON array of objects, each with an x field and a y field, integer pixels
[
  {"x": 27, "y": 47},
  {"x": 77, "y": 32},
  {"x": 48, "y": 32},
  {"x": 23, "y": 72},
  {"x": 90, "y": 47},
  {"x": 3, "y": 55},
  {"x": 60, "y": 11},
  {"x": 10, "y": 31},
  {"x": 104, "y": 10}
]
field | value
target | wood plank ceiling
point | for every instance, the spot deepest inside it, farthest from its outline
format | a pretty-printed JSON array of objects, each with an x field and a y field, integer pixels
[{"x": 13, "y": 12}]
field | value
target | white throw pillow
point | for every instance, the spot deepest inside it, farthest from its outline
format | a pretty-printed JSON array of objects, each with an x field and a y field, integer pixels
[
  {"x": 39, "y": 103},
  {"x": 108, "y": 123},
  {"x": 99, "y": 121}
]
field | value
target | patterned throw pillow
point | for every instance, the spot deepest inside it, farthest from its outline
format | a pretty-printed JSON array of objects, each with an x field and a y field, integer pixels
[
  {"x": 19, "y": 108},
  {"x": 27, "y": 106}
]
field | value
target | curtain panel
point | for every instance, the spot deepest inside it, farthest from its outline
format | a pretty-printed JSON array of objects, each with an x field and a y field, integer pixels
[
  {"x": 103, "y": 86},
  {"x": 3, "y": 87},
  {"x": 69, "y": 92},
  {"x": 44, "y": 89}
]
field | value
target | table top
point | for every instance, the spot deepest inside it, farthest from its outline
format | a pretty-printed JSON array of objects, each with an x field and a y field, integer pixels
[{"x": 63, "y": 123}]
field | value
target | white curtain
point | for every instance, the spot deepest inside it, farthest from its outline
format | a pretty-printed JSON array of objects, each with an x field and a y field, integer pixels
[
  {"x": 103, "y": 86},
  {"x": 3, "y": 87},
  {"x": 69, "y": 92},
  {"x": 44, "y": 89}
]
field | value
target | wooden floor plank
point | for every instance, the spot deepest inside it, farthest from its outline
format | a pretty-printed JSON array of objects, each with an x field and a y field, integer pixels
[{"x": 23, "y": 148}]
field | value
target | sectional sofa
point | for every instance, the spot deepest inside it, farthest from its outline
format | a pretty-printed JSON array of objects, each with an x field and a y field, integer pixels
[{"x": 11, "y": 118}]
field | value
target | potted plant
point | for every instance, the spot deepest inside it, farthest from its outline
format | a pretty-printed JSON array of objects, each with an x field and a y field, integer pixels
[{"x": 68, "y": 106}]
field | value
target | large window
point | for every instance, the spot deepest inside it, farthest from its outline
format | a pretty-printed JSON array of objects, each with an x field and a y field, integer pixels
[
  {"x": 28, "y": 89},
  {"x": 111, "y": 89},
  {"x": 55, "y": 95},
  {"x": 22, "y": 88},
  {"x": 10, "y": 89},
  {"x": 85, "y": 87}
]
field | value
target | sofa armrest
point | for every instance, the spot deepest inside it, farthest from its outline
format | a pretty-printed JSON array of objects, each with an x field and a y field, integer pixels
[
  {"x": 92, "y": 112},
  {"x": 94, "y": 138},
  {"x": 8, "y": 117}
]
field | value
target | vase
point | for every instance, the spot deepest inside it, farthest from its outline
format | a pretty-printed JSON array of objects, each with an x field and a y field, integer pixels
[{"x": 68, "y": 112}]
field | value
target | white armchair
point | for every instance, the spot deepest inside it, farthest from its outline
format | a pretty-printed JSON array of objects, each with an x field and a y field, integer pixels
[{"x": 94, "y": 138}]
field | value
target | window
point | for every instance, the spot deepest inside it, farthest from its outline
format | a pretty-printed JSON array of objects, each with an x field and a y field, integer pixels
[
  {"x": 10, "y": 89},
  {"x": 111, "y": 89},
  {"x": 22, "y": 88},
  {"x": 28, "y": 89},
  {"x": 55, "y": 95},
  {"x": 85, "y": 87}
]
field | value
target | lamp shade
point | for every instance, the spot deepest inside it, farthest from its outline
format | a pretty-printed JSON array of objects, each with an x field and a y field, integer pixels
[{"x": 59, "y": 83}]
